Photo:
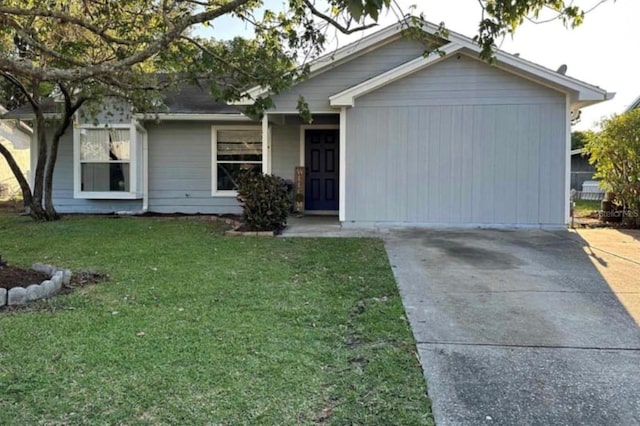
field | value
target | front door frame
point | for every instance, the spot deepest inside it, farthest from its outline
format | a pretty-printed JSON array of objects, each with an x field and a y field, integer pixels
[{"x": 303, "y": 131}]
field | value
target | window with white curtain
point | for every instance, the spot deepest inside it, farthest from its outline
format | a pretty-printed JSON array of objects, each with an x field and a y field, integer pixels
[
  {"x": 235, "y": 149},
  {"x": 105, "y": 161},
  {"x": 105, "y": 156}
]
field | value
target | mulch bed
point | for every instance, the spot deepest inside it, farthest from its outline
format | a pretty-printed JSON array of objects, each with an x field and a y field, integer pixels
[
  {"x": 11, "y": 276},
  {"x": 78, "y": 280}
]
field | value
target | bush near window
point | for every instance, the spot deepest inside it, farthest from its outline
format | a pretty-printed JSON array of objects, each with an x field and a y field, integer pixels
[
  {"x": 265, "y": 201},
  {"x": 615, "y": 151}
]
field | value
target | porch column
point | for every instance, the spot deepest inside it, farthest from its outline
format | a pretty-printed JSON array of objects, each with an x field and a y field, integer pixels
[
  {"x": 266, "y": 145},
  {"x": 567, "y": 162},
  {"x": 343, "y": 165}
]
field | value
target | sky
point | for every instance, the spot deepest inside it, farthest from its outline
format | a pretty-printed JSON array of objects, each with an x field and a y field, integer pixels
[{"x": 602, "y": 51}]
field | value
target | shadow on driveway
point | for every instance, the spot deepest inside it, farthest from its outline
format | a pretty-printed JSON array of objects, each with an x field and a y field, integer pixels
[{"x": 520, "y": 327}]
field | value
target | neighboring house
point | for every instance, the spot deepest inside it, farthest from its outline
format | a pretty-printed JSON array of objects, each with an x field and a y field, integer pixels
[
  {"x": 635, "y": 104},
  {"x": 397, "y": 138},
  {"x": 581, "y": 169},
  {"x": 16, "y": 137}
]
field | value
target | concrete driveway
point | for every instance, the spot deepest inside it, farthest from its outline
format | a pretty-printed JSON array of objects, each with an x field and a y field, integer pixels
[{"x": 519, "y": 327}]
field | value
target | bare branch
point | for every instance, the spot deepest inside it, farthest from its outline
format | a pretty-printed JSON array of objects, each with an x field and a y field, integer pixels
[
  {"x": 18, "y": 84},
  {"x": 218, "y": 57},
  {"x": 335, "y": 23}
]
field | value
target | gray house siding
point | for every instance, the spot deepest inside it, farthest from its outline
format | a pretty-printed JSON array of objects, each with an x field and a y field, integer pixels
[
  {"x": 180, "y": 161},
  {"x": 63, "y": 186},
  {"x": 285, "y": 150},
  {"x": 317, "y": 90},
  {"x": 457, "y": 143}
]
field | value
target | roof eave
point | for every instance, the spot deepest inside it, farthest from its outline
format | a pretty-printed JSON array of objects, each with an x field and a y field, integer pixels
[
  {"x": 580, "y": 91},
  {"x": 193, "y": 117}
]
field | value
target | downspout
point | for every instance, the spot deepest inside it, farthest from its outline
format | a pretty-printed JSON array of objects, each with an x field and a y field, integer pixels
[{"x": 145, "y": 173}]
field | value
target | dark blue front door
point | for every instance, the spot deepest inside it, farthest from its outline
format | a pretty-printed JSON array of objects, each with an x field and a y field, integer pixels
[{"x": 321, "y": 161}]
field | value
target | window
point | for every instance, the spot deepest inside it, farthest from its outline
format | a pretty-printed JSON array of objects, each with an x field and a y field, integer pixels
[
  {"x": 106, "y": 158},
  {"x": 235, "y": 149}
]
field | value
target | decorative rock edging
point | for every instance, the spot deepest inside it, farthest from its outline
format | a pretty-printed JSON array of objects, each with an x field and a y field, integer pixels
[{"x": 46, "y": 289}]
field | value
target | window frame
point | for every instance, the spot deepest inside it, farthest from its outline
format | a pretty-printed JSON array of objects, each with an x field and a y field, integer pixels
[
  {"x": 134, "y": 163},
  {"x": 215, "y": 192}
]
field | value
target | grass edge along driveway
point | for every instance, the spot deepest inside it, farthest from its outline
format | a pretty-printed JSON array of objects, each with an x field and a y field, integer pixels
[{"x": 196, "y": 328}]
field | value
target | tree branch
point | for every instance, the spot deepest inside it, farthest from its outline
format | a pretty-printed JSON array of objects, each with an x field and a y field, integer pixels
[
  {"x": 218, "y": 57},
  {"x": 22, "y": 181},
  {"x": 34, "y": 43},
  {"x": 60, "y": 74},
  {"x": 64, "y": 17},
  {"x": 11, "y": 79},
  {"x": 335, "y": 23}
]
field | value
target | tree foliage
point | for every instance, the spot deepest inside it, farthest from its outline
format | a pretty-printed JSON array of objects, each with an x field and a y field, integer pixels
[
  {"x": 81, "y": 51},
  {"x": 503, "y": 17},
  {"x": 615, "y": 151},
  {"x": 579, "y": 139}
]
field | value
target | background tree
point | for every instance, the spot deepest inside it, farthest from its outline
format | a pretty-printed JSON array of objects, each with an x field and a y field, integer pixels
[
  {"x": 78, "y": 52},
  {"x": 578, "y": 139},
  {"x": 615, "y": 151}
]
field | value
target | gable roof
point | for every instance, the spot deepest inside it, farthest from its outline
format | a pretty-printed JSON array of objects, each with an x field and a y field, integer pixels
[
  {"x": 582, "y": 93},
  {"x": 635, "y": 104}
]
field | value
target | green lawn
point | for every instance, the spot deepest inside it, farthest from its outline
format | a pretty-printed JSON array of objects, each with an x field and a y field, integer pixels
[
  {"x": 585, "y": 207},
  {"x": 236, "y": 330}
]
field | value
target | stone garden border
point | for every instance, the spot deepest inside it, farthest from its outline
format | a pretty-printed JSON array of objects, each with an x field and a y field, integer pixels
[{"x": 47, "y": 288}]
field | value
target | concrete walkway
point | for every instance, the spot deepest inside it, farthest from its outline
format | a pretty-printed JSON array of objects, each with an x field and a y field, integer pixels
[
  {"x": 616, "y": 255},
  {"x": 519, "y": 327},
  {"x": 323, "y": 226}
]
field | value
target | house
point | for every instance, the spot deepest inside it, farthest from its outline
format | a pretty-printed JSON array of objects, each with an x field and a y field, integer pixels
[
  {"x": 16, "y": 137},
  {"x": 635, "y": 104},
  {"x": 397, "y": 138},
  {"x": 581, "y": 169}
]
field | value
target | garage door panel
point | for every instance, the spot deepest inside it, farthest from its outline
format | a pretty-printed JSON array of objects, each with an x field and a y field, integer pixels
[{"x": 457, "y": 165}]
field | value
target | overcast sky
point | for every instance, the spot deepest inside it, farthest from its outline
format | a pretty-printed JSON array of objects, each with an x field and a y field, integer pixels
[{"x": 602, "y": 51}]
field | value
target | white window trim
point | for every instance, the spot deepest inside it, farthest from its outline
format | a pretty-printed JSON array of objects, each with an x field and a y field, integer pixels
[
  {"x": 214, "y": 157},
  {"x": 133, "y": 165}
]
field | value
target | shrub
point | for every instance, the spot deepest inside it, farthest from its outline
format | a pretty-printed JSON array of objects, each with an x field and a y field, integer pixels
[
  {"x": 616, "y": 153},
  {"x": 265, "y": 201}
]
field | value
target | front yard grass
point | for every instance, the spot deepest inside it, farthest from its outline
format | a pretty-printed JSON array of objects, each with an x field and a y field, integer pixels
[
  {"x": 584, "y": 208},
  {"x": 196, "y": 328}
]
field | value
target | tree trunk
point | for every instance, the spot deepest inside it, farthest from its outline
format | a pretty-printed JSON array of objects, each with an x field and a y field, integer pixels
[
  {"x": 22, "y": 181},
  {"x": 50, "y": 210},
  {"x": 38, "y": 212}
]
